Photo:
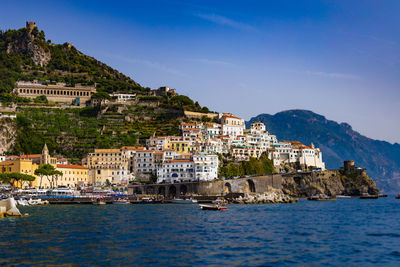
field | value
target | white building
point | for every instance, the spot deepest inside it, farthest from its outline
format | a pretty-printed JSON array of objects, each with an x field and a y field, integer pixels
[
  {"x": 122, "y": 98},
  {"x": 205, "y": 167},
  {"x": 287, "y": 152},
  {"x": 232, "y": 125},
  {"x": 144, "y": 161},
  {"x": 179, "y": 170}
]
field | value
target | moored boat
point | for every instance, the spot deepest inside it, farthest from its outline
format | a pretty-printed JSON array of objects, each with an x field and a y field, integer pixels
[
  {"x": 212, "y": 207},
  {"x": 99, "y": 202},
  {"x": 368, "y": 196},
  {"x": 342, "y": 196},
  {"x": 321, "y": 197},
  {"x": 398, "y": 196},
  {"x": 121, "y": 201},
  {"x": 184, "y": 201}
]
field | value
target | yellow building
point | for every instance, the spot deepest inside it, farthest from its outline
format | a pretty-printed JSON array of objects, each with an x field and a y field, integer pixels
[
  {"x": 106, "y": 164},
  {"x": 181, "y": 147},
  {"x": 73, "y": 176},
  {"x": 20, "y": 165}
]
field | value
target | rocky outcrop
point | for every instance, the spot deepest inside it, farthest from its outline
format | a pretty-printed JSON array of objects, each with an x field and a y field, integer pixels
[
  {"x": 30, "y": 42},
  {"x": 272, "y": 197},
  {"x": 7, "y": 133},
  {"x": 330, "y": 183}
]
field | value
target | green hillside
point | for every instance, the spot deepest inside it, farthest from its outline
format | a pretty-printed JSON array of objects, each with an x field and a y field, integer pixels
[{"x": 26, "y": 54}]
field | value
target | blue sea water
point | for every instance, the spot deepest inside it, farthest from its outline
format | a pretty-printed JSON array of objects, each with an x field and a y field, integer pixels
[{"x": 346, "y": 232}]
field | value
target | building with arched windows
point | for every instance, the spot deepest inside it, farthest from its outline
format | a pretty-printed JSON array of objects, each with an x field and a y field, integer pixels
[{"x": 55, "y": 92}]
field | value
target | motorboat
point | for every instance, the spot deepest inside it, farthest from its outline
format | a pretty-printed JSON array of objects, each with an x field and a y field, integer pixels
[
  {"x": 322, "y": 197},
  {"x": 184, "y": 201},
  {"x": 212, "y": 207},
  {"x": 398, "y": 196},
  {"x": 342, "y": 196},
  {"x": 121, "y": 201},
  {"x": 99, "y": 202},
  {"x": 368, "y": 196}
]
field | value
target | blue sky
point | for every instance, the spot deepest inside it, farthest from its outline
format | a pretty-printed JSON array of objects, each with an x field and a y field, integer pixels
[{"x": 340, "y": 59}]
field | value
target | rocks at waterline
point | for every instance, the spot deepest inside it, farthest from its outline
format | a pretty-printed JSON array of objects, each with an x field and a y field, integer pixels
[{"x": 274, "y": 197}]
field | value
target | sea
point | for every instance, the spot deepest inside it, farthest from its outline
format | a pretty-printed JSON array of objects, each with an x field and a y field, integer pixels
[{"x": 346, "y": 232}]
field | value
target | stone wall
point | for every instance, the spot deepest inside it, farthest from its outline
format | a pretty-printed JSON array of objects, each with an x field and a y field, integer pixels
[{"x": 295, "y": 184}]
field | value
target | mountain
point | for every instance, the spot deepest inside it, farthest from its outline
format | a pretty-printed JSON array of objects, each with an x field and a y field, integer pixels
[
  {"x": 71, "y": 131},
  {"x": 338, "y": 142},
  {"x": 25, "y": 54}
]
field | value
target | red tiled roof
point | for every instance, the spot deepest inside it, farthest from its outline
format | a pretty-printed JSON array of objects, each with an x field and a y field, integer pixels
[
  {"x": 28, "y": 156},
  {"x": 70, "y": 166},
  {"x": 132, "y": 148},
  {"x": 226, "y": 115}
]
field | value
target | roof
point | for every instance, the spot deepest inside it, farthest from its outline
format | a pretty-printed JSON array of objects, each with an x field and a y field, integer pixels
[
  {"x": 181, "y": 160},
  {"x": 62, "y": 160},
  {"x": 71, "y": 166},
  {"x": 226, "y": 115},
  {"x": 188, "y": 124},
  {"x": 28, "y": 156},
  {"x": 132, "y": 148},
  {"x": 6, "y": 162}
]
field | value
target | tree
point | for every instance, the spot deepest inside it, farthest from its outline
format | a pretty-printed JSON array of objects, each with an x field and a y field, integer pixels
[
  {"x": 45, "y": 170},
  {"x": 14, "y": 177}
]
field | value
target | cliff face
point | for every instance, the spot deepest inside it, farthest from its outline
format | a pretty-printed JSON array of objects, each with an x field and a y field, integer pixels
[
  {"x": 30, "y": 43},
  {"x": 329, "y": 183},
  {"x": 7, "y": 133}
]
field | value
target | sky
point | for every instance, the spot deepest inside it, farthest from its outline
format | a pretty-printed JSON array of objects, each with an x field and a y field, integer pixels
[{"x": 340, "y": 59}]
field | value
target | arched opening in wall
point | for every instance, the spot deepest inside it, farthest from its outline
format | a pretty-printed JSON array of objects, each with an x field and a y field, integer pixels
[
  {"x": 138, "y": 190},
  {"x": 227, "y": 188},
  {"x": 172, "y": 191},
  {"x": 252, "y": 186},
  {"x": 183, "y": 189},
  {"x": 161, "y": 190},
  {"x": 150, "y": 190}
]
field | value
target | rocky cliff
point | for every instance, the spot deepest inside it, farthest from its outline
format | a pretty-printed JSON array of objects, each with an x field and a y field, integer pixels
[
  {"x": 7, "y": 133},
  {"x": 330, "y": 183},
  {"x": 30, "y": 43}
]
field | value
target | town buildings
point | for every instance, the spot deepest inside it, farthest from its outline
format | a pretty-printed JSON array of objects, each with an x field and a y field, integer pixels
[
  {"x": 73, "y": 175},
  {"x": 191, "y": 156}
]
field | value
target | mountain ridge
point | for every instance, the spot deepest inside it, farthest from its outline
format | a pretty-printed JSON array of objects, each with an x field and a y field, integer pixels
[{"x": 338, "y": 142}]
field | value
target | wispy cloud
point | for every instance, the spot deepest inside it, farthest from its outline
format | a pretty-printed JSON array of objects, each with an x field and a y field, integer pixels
[
  {"x": 221, "y": 20},
  {"x": 334, "y": 75},
  {"x": 210, "y": 61},
  {"x": 151, "y": 64}
]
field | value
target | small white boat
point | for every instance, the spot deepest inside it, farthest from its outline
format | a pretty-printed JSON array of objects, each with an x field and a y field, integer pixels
[
  {"x": 22, "y": 202},
  {"x": 212, "y": 207},
  {"x": 184, "y": 201},
  {"x": 342, "y": 196},
  {"x": 121, "y": 201}
]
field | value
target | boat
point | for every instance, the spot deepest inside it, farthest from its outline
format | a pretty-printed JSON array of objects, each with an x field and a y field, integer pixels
[
  {"x": 383, "y": 195},
  {"x": 322, "y": 197},
  {"x": 368, "y": 196},
  {"x": 212, "y": 207},
  {"x": 121, "y": 201},
  {"x": 398, "y": 196},
  {"x": 99, "y": 202},
  {"x": 220, "y": 201},
  {"x": 342, "y": 196},
  {"x": 184, "y": 201}
]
